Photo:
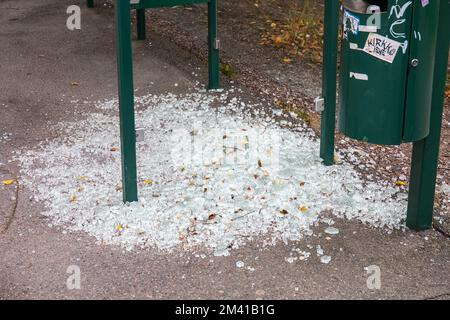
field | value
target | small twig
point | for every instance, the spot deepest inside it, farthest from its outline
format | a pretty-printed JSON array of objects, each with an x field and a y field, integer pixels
[
  {"x": 440, "y": 230},
  {"x": 245, "y": 215},
  {"x": 438, "y": 296},
  {"x": 233, "y": 148},
  {"x": 10, "y": 218}
]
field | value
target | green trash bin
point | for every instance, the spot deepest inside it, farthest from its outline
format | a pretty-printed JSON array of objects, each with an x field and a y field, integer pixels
[{"x": 386, "y": 69}]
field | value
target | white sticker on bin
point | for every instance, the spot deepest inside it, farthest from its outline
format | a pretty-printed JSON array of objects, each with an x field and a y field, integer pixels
[
  {"x": 359, "y": 76},
  {"x": 354, "y": 46},
  {"x": 368, "y": 28},
  {"x": 381, "y": 47}
]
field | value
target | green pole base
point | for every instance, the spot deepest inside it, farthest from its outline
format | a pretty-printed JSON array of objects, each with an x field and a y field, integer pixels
[{"x": 425, "y": 157}]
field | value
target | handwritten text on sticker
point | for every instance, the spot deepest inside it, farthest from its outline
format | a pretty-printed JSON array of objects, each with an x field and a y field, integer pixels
[{"x": 381, "y": 47}]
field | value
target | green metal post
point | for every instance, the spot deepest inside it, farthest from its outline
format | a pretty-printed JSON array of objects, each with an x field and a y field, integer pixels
[
  {"x": 213, "y": 46},
  {"x": 330, "y": 53},
  {"x": 126, "y": 100},
  {"x": 425, "y": 156},
  {"x": 90, "y": 3},
  {"x": 141, "y": 24}
]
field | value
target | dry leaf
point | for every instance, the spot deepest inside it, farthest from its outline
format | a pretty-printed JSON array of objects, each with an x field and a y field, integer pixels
[
  {"x": 278, "y": 40},
  {"x": 259, "y": 163},
  {"x": 8, "y": 182},
  {"x": 73, "y": 198},
  {"x": 303, "y": 209},
  {"x": 337, "y": 159},
  {"x": 400, "y": 183},
  {"x": 75, "y": 83},
  {"x": 148, "y": 182}
]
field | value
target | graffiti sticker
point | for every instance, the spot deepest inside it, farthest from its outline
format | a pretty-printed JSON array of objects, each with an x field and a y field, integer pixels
[
  {"x": 381, "y": 47},
  {"x": 351, "y": 23}
]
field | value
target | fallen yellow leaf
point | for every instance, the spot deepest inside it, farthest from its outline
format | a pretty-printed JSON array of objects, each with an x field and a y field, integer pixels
[
  {"x": 245, "y": 142},
  {"x": 337, "y": 159},
  {"x": 400, "y": 183},
  {"x": 148, "y": 182},
  {"x": 278, "y": 40},
  {"x": 287, "y": 60},
  {"x": 73, "y": 198},
  {"x": 303, "y": 209},
  {"x": 8, "y": 182}
]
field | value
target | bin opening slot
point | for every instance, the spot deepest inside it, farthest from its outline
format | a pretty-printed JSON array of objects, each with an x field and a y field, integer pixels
[{"x": 366, "y": 6}]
